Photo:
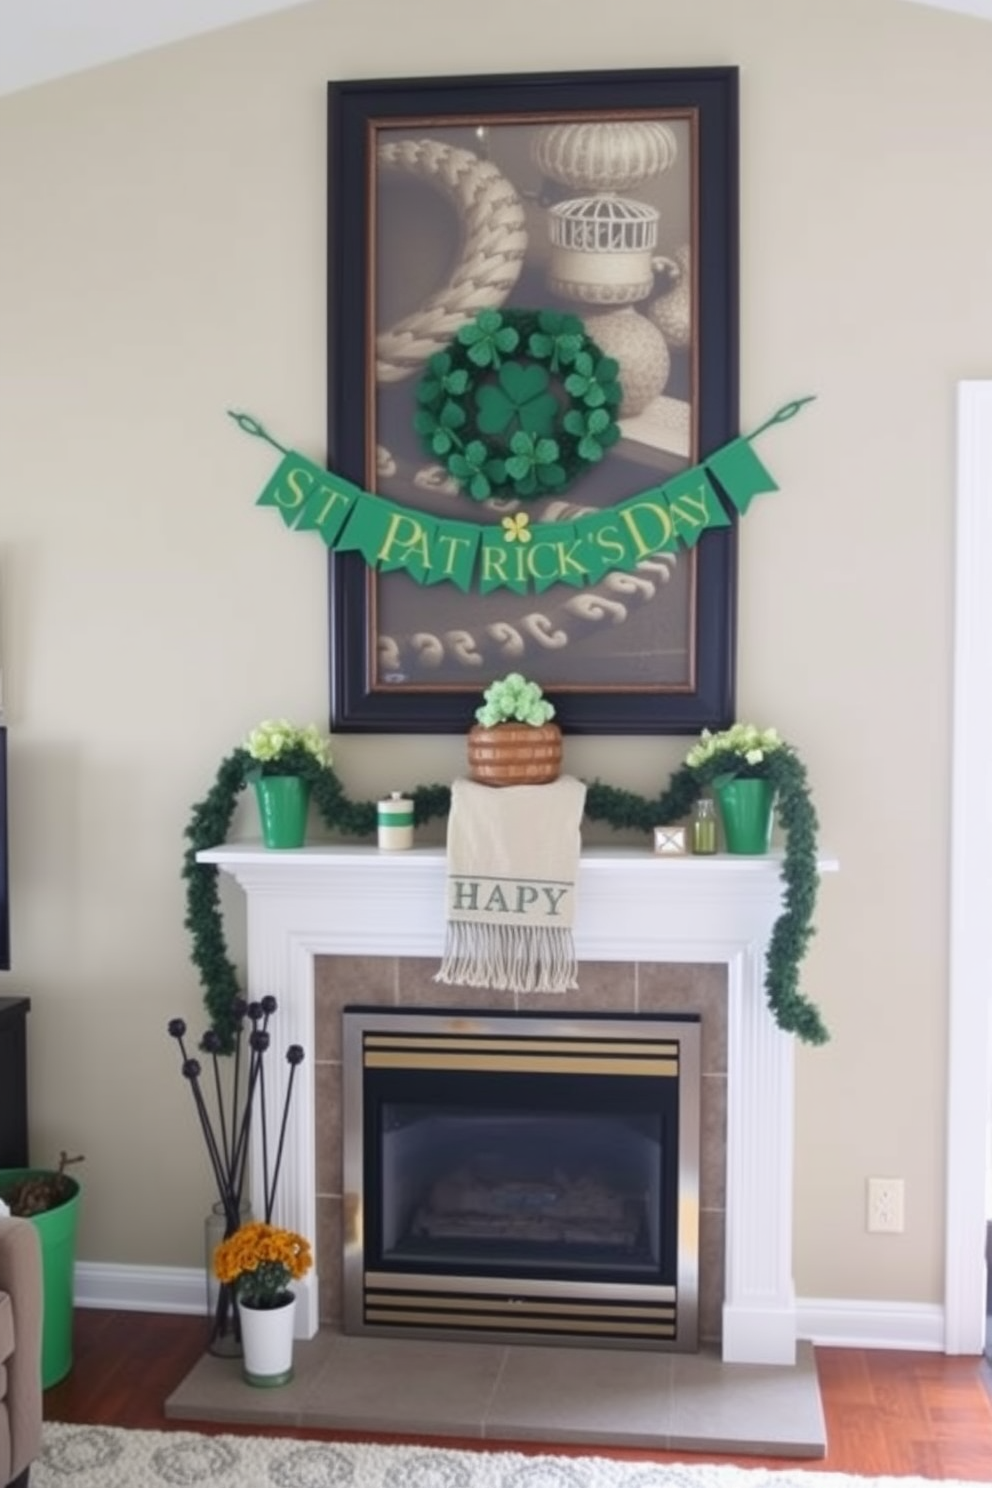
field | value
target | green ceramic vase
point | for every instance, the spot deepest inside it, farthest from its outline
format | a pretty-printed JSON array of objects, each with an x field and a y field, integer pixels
[
  {"x": 745, "y": 808},
  {"x": 283, "y": 801}
]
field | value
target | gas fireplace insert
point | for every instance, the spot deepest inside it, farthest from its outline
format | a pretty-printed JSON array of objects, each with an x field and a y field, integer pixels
[{"x": 519, "y": 1177}]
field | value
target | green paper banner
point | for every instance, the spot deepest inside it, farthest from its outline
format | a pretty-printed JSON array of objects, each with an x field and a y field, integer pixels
[
  {"x": 694, "y": 506},
  {"x": 309, "y": 498},
  {"x": 454, "y": 554},
  {"x": 524, "y": 557},
  {"x": 740, "y": 473},
  {"x": 390, "y": 536},
  {"x": 608, "y": 546},
  {"x": 516, "y": 554}
]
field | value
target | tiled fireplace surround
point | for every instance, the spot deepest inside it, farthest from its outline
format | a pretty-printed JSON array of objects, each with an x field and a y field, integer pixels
[
  {"x": 333, "y": 925},
  {"x": 621, "y": 987}
]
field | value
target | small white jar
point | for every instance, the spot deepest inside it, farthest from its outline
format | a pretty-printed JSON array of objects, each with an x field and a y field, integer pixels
[{"x": 395, "y": 822}]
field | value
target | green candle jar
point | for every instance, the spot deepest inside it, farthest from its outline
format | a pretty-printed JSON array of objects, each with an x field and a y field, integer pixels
[{"x": 703, "y": 826}]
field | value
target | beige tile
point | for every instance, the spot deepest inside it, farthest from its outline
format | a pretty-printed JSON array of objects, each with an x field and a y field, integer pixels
[
  {"x": 327, "y": 1133},
  {"x": 407, "y": 1385},
  {"x": 215, "y": 1391},
  {"x": 582, "y": 1395},
  {"x": 712, "y": 1286},
  {"x": 346, "y": 979},
  {"x": 683, "y": 987},
  {"x": 770, "y": 1408},
  {"x": 418, "y": 989},
  {"x": 330, "y": 1301},
  {"x": 604, "y": 987},
  {"x": 713, "y": 1142}
]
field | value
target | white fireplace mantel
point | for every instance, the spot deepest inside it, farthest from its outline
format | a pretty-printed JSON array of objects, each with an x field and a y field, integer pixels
[{"x": 630, "y": 906}]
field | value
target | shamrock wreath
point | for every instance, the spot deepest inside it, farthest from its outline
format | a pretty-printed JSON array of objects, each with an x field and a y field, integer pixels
[{"x": 520, "y": 403}]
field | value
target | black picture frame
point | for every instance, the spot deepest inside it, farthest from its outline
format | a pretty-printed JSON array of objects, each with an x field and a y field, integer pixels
[
  {"x": 604, "y": 693},
  {"x": 5, "y": 963}
]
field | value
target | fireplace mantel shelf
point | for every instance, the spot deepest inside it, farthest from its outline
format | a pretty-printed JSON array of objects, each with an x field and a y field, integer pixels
[
  {"x": 596, "y": 859},
  {"x": 631, "y": 906},
  {"x": 695, "y": 905}
]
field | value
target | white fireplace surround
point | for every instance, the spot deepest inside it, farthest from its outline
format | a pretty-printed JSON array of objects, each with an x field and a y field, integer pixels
[{"x": 631, "y": 906}]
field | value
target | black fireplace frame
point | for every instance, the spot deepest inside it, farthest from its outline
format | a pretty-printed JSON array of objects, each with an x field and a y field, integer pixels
[{"x": 653, "y": 1060}]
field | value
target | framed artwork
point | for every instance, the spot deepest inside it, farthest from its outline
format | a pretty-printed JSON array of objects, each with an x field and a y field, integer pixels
[{"x": 610, "y": 197}]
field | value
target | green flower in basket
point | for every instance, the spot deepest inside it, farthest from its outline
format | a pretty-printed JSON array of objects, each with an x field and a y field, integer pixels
[
  {"x": 513, "y": 741},
  {"x": 512, "y": 699}
]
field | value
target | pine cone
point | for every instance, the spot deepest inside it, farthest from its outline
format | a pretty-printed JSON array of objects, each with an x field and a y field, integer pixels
[{"x": 42, "y": 1191}]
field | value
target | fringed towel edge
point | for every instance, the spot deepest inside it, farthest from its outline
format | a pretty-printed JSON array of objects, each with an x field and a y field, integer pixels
[{"x": 509, "y": 958}]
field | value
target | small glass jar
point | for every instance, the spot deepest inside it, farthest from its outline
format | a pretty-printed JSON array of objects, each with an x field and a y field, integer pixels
[
  {"x": 703, "y": 826},
  {"x": 224, "y": 1337}
]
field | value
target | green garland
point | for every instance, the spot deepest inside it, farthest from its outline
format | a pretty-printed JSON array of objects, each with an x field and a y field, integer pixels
[
  {"x": 794, "y": 928},
  {"x": 487, "y": 411},
  {"x": 211, "y": 819}
]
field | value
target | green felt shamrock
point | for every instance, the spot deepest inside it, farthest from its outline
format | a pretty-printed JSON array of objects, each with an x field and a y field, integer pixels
[
  {"x": 441, "y": 430},
  {"x": 475, "y": 471},
  {"x": 595, "y": 431},
  {"x": 443, "y": 377},
  {"x": 488, "y": 340},
  {"x": 558, "y": 340},
  {"x": 594, "y": 381},
  {"x": 533, "y": 464},
  {"x": 520, "y": 394}
]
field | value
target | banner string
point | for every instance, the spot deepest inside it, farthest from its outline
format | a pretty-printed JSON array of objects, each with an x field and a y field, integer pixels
[
  {"x": 252, "y": 426},
  {"x": 786, "y": 412}
]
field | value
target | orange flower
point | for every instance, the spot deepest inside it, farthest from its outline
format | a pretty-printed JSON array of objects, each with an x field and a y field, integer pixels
[{"x": 260, "y": 1260}]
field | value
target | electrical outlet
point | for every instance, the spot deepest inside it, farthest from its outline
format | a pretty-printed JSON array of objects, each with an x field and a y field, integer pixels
[{"x": 886, "y": 1205}]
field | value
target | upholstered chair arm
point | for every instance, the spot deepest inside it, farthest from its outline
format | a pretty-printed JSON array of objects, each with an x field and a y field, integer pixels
[{"x": 20, "y": 1372}]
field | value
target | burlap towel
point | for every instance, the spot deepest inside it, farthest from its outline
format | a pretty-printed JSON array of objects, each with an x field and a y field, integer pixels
[{"x": 513, "y": 858}]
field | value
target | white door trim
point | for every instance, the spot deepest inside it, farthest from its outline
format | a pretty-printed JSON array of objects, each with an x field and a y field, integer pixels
[{"x": 969, "y": 1070}]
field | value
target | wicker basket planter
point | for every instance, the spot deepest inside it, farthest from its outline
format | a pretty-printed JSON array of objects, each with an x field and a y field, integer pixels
[{"x": 514, "y": 753}]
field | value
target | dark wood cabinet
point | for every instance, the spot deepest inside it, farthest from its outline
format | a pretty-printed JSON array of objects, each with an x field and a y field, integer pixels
[{"x": 13, "y": 1082}]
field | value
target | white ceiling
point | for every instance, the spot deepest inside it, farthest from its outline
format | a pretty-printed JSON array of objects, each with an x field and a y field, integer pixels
[{"x": 45, "y": 39}]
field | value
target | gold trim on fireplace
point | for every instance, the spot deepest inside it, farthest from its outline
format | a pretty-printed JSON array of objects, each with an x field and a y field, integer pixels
[
  {"x": 560, "y": 1045},
  {"x": 551, "y": 1055},
  {"x": 535, "y": 1064},
  {"x": 515, "y": 1306},
  {"x": 596, "y": 1291},
  {"x": 528, "y": 1324}
]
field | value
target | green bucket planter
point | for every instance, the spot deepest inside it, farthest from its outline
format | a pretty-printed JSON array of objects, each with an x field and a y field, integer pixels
[
  {"x": 283, "y": 801},
  {"x": 57, "y": 1236}
]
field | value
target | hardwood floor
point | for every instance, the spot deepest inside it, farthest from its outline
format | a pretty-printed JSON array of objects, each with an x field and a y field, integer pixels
[{"x": 886, "y": 1411}]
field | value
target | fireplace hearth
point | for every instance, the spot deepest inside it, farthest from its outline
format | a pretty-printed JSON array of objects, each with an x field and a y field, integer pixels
[{"x": 513, "y": 1176}]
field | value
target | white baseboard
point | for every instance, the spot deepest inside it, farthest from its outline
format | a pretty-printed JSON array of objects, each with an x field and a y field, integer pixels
[
  {"x": 141, "y": 1288},
  {"x": 828, "y": 1321},
  {"x": 837, "y": 1323}
]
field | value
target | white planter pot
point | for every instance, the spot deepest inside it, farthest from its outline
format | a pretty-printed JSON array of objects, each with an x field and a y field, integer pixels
[{"x": 267, "y": 1343}]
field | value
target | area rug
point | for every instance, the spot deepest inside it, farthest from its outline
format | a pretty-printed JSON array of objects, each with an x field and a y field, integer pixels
[{"x": 108, "y": 1457}]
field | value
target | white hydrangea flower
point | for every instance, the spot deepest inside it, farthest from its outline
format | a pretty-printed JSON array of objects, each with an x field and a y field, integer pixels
[
  {"x": 738, "y": 746},
  {"x": 275, "y": 737}
]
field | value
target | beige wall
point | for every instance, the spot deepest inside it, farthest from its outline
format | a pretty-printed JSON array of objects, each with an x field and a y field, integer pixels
[{"x": 162, "y": 259}]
